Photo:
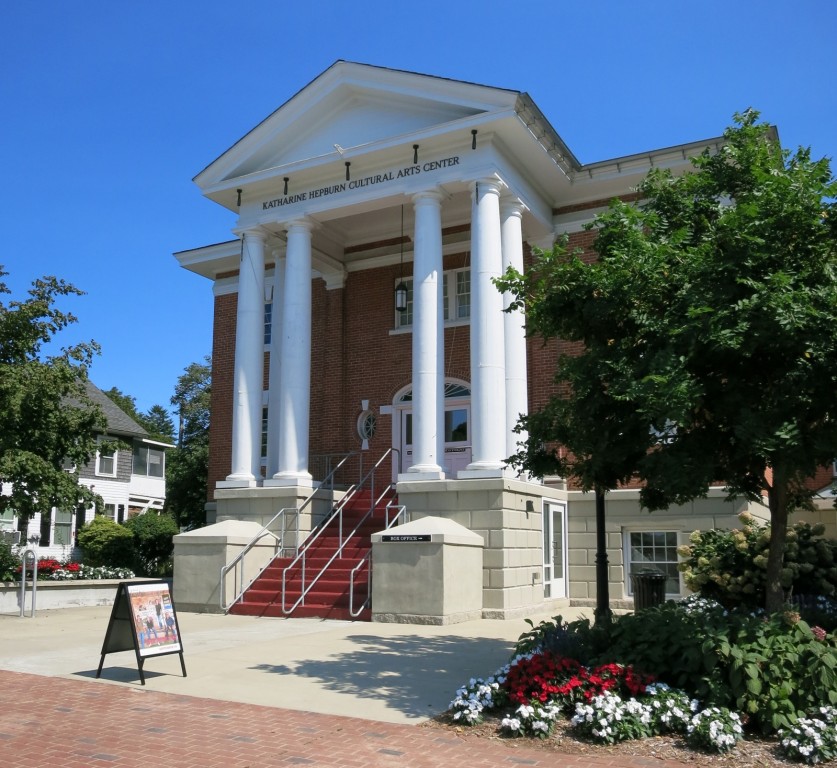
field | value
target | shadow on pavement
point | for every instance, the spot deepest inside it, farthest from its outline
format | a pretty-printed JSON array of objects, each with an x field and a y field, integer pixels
[{"x": 409, "y": 672}]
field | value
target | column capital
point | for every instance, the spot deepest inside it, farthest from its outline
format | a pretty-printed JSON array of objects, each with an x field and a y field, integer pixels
[
  {"x": 490, "y": 184},
  {"x": 253, "y": 233},
  {"x": 434, "y": 195},
  {"x": 511, "y": 206},
  {"x": 305, "y": 224}
]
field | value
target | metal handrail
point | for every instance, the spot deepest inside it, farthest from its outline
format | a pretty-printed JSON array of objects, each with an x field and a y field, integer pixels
[
  {"x": 338, "y": 513},
  {"x": 402, "y": 510},
  {"x": 24, "y": 558},
  {"x": 265, "y": 529}
]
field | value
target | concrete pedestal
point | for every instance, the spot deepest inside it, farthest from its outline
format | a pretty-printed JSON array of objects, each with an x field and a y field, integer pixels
[
  {"x": 199, "y": 556},
  {"x": 428, "y": 571}
]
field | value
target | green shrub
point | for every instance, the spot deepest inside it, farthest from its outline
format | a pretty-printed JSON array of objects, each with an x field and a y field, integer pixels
[
  {"x": 730, "y": 566},
  {"x": 577, "y": 640},
  {"x": 153, "y": 542},
  {"x": 104, "y": 542},
  {"x": 770, "y": 669},
  {"x": 9, "y": 562}
]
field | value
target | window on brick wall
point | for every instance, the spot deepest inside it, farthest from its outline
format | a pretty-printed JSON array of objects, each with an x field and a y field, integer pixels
[
  {"x": 268, "y": 321},
  {"x": 652, "y": 550},
  {"x": 456, "y": 299}
]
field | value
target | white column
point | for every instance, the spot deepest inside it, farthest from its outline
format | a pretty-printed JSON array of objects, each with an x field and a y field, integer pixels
[
  {"x": 427, "y": 335},
  {"x": 295, "y": 373},
  {"x": 517, "y": 397},
  {"x": 488, "y": 376},
  {"x": 274, "y": 400},
  {"x": 248, "y": 378}
]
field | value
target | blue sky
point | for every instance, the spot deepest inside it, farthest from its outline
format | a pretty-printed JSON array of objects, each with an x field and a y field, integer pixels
[{"x": 109, "y": 109}]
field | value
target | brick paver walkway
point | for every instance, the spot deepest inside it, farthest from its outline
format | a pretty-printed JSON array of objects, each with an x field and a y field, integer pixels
[{"x": 50, "y": 721}]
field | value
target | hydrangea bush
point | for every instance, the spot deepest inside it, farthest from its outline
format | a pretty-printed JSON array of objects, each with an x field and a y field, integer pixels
[{"x": 731, "y": 566}]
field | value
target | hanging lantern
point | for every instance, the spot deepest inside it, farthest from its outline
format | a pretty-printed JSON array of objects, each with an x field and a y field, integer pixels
[{"x": 401, "y": 297}]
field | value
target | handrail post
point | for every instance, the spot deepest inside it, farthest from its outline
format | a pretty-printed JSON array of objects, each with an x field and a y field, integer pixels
[{"x": 26, "y": 554}]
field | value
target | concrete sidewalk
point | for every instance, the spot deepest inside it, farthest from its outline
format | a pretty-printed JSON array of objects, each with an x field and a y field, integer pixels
[{"x": 395, "y": 673}]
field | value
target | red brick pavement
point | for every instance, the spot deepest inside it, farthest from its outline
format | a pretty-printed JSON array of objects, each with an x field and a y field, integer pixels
[{"x": 70, "y": 723}]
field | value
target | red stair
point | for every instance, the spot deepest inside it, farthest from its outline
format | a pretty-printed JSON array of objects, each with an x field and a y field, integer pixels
[{"x": 328, "y": 598}]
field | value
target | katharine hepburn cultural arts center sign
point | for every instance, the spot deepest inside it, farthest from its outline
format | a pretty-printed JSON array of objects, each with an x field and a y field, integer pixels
[{"x": 366, "y": 181}]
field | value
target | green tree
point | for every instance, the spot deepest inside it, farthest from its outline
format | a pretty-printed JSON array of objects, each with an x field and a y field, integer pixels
[
  {"x": 47, "y": 421},
  {"x": 707, "y": 350},
  {"x": 156, "y": 421},
  {"x": 187, "y": 466}
]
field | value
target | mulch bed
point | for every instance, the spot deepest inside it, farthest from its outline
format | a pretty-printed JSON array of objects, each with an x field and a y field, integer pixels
[{"x": 753, "y": 752}]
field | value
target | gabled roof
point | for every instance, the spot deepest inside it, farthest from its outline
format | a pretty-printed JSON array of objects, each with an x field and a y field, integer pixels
[
  {"x": 348, "y": 107},
  {"x": 118, "y": 422}
]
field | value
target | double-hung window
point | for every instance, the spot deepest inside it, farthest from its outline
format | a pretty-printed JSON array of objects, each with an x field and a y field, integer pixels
[
  {"x": 456, "y": 299},
  {"x": 106, "y": 460}
]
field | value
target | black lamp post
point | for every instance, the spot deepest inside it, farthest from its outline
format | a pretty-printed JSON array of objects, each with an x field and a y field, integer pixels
[{"x": 602, "y": 613}]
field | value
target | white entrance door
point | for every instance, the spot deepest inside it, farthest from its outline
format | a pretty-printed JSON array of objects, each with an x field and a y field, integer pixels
[
  {"x": 554, "y": 549},
  {"x": 457, "y": 434}
]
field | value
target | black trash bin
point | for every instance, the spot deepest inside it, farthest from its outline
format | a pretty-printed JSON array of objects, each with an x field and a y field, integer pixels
[{"x": 649, "y": 589}]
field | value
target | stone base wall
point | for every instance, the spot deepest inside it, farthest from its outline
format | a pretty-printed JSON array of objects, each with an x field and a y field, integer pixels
[
  {"x": 506, "y": 513},
  {"x": 623, "y": 514},
  {"x": 51, "y": 595}
]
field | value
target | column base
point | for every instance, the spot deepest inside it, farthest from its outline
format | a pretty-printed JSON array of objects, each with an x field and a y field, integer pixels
[
  {"x": 234, "y": 481},
  {"x": 302, "y": 480},
  {"x": 421, "y": 474},
  {"x": 477, "y": 472}
]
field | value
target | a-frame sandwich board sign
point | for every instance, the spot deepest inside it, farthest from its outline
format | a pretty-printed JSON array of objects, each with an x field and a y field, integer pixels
[{"x": 143, "y": 620}]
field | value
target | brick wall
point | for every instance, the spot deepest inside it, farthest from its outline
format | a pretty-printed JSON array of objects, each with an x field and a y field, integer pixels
[{"x": 223, "y": 359}]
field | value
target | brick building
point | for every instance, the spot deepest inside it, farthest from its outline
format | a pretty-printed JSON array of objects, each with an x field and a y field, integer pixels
[{"x": 367, "y": 183}]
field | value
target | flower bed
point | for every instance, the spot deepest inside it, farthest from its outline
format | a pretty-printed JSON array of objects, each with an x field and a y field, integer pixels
[
  {"x": 612, "y": 703},
  {"x": 50, "y": 569}
]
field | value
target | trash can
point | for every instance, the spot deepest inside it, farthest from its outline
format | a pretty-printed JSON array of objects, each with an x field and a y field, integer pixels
[{"x": 649, "y": 589}]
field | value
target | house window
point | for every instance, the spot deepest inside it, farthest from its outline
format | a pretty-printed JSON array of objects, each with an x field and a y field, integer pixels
[
  {"x": 62, "y": 532},
  {"x": 268, "y": 321},
  {"x": 149, "y": 462},
  {"x": 106, "y": 461},
  {"x": 456, "y": 298},
  {"x": 115, "y": 512},
  {"x": 7, "y": 519},
  {"x": 653, "y": 550}
]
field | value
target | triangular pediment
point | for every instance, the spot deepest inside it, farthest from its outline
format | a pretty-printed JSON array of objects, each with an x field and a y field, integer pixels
[{"x": 348, "y": 107}]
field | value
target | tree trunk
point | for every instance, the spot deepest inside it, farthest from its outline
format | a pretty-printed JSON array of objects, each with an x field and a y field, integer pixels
[{"x": 777, "y": 496}]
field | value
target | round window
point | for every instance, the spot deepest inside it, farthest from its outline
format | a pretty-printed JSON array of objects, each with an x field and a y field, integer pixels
[{"x": 366, "y": 423}]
